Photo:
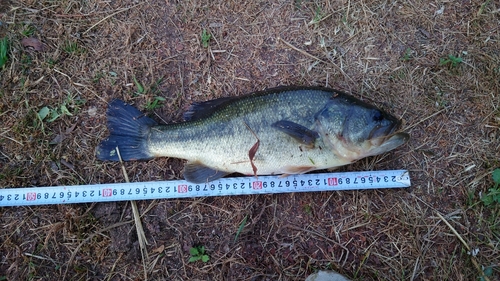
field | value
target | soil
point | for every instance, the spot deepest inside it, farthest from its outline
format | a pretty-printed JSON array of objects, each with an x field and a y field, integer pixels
[{"x": 435, "y": 65}]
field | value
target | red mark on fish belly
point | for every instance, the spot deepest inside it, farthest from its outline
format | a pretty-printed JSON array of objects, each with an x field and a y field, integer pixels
[
  {"x": 251, "y": 155},
  {"x": 253, "y": 151}
]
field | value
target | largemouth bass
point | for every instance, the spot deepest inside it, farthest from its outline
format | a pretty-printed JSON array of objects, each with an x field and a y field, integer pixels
[{"x": 286, "y": 130}]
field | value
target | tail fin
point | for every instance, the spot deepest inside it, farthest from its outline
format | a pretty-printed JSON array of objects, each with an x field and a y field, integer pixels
[{"x": 128, "y": 129}]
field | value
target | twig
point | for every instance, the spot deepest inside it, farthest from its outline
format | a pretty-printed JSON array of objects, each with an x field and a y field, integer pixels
[
  {"x": 40, "y": 257},
  {"x": 301, "y": 51},
  {"x": 89, "y": 238},
  {"x": 107, "y": 17},
  {"x": 110, "y": 274},
  {"x": 16, "y": 141},
  {"x": 316, "y": 234},
  {"x": 316, "y": 58},
  {"x": 466, "y": 246},
  {"x": 138, "y": 225},
  {"x": 426, "y": 118}
]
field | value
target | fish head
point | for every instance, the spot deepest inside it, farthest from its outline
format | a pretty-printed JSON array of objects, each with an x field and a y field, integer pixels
[{"x": 353, "y": 129}]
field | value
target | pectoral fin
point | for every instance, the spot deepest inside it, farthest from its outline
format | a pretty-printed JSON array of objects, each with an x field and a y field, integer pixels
[
  {"x": 296, "y": 131},
  {"x": 196, "y": 172}
]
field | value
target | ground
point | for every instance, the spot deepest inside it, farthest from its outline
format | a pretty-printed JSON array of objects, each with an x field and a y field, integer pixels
[{"x": 434, "y": 64}]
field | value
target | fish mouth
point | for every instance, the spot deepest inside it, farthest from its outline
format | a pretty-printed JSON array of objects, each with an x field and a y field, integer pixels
[
  {"x": 390, "y": 142},
  {"x": 381, "y": 132},
  {"x": 386, "y": 137},
  {"x": 383, "y": 144}
]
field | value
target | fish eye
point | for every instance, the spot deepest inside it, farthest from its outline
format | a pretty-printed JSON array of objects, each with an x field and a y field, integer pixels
[{"x": 378, "y": 116}]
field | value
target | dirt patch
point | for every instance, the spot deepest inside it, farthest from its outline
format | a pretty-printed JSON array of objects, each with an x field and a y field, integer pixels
[{"x": 435, "y": 65}]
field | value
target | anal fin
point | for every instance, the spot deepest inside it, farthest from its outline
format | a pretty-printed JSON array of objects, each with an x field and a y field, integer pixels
[{"x": 196, "y": 172}]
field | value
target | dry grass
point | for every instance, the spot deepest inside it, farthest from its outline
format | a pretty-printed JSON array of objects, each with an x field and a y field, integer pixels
[{"x": 387, "y": 53}]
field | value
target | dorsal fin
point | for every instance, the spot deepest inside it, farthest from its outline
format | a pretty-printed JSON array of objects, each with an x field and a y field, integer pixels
[{"x": 200, "y": 110}]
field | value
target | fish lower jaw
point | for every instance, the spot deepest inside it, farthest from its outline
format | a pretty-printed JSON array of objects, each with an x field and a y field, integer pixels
[{"x": 345, "y": 155}]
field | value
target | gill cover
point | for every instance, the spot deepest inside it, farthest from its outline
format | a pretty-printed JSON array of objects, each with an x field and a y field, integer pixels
[{"x": 354, "y": 129}]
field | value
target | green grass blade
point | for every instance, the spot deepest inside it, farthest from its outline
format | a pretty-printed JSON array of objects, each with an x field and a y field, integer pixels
[
  {"x": 4, "y": 48},
  {"x": 242, "y": 225}
]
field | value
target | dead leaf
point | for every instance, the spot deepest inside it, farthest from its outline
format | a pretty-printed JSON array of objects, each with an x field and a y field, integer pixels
[
  {"x": 32, "y": 43},
  {"x": 67, "y": 164},
  {"x": 159, "y": 249},
  {"x": 70, "y": 129},
  {"x": 62, "y": 135},
  {"x": 92, "y": 111},
  {"x": 57, "y": 139},
  {"x": 53, "y": 166}
]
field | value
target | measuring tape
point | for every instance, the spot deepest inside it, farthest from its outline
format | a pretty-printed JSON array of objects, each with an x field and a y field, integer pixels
[{"x": 223, "y": 187}]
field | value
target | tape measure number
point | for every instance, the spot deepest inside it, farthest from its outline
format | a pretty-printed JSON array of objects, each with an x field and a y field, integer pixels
[{"x": 221, "y": 187}]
